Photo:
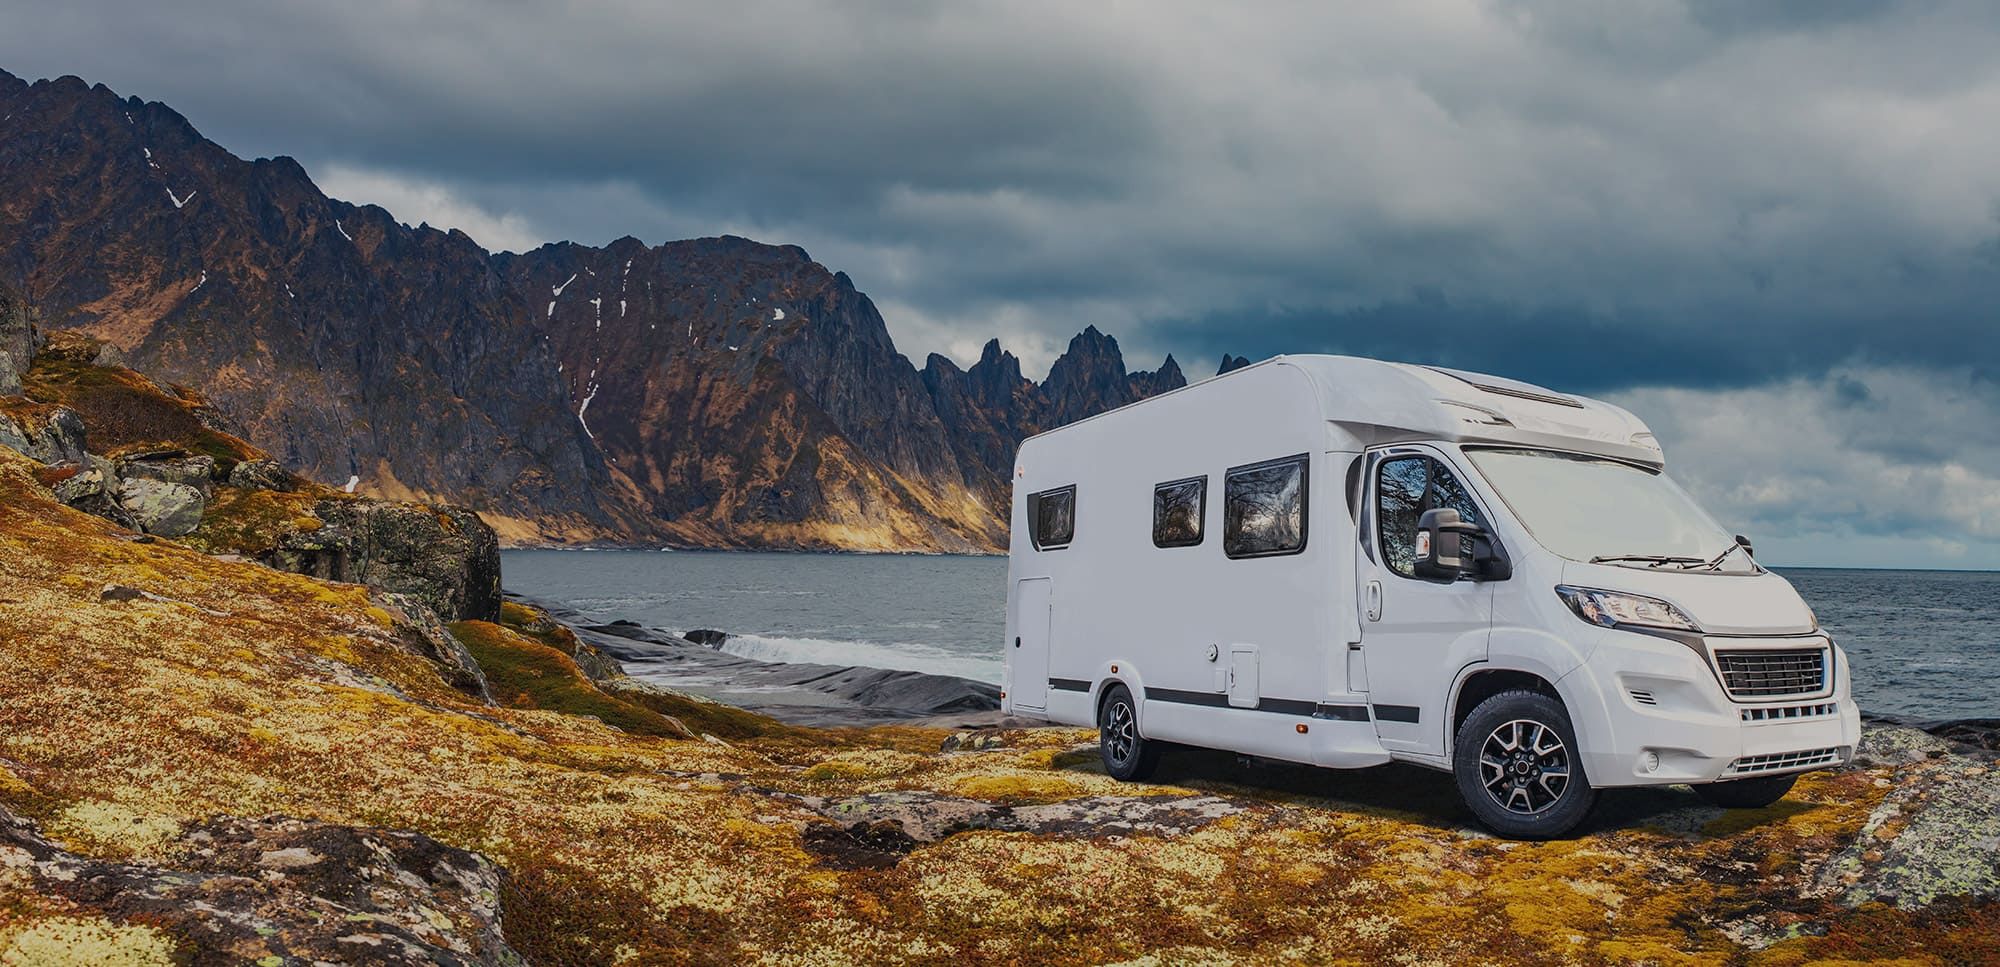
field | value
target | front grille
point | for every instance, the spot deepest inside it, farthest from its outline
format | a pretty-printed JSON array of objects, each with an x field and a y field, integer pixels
[
  {"x": 1782, "y": 713},
  {"x": 1753, "y": 674},
  {"x": 1781, "y": 761}
]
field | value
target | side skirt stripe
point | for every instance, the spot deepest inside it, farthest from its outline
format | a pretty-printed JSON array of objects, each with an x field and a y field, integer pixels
[{"x": 1279, "y": 706}]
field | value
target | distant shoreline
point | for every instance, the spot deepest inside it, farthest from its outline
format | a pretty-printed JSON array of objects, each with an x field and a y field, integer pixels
[
  {"x": 843, "y": 552},
  {"x": 806, "y": 551}
]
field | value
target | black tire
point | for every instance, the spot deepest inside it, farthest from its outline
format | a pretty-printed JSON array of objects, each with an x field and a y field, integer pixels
[
  {"x": 1128, "y": 756},
  {"x": 1519, "y": 769},
  {"x": 1747, "y": 793}
]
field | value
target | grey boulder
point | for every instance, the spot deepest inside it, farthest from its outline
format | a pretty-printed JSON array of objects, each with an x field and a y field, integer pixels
[
  {"x": 51, "y": 435},
  {"x": 262, "y": 475},
  {"x": 165, "y": 509},
  {"x": 189, "y": 471}
]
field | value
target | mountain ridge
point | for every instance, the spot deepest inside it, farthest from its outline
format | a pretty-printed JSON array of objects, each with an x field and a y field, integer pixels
[{"x": 715, "y": 392}]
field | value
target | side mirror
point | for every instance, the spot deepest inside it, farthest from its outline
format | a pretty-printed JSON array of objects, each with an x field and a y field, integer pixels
[
  {"x": 1441, "y": 537},
  {"x": 1747, "y": 549}
]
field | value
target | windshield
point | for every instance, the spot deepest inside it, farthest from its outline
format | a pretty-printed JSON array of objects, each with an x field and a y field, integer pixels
[{"x": 1590, "y": 508}]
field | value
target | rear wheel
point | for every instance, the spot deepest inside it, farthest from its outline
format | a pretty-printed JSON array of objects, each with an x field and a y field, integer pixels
[
  {"x": 1128, "y": 756},
  {"x": 1746, "y": 793},
  {"x": 1518, "y": 767}
]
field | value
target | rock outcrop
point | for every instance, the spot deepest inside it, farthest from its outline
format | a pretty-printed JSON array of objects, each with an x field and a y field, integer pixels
[
  {"x": 19, "y": 340},
  {"x": 443, "y": 556},
  {"x": 420, "y": 628},
  {"x": 158, "y": 507},
  {"x": 711, "y": 392},
  {"x": 254, "y": 891},
  {"x": 174, "y": 471}
]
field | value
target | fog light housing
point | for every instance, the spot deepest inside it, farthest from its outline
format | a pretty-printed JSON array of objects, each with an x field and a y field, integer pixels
[{"x": 1652, "y": 761}]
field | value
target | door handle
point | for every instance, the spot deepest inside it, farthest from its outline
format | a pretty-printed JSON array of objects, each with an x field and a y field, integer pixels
[{"x": 1374, "y": 600}]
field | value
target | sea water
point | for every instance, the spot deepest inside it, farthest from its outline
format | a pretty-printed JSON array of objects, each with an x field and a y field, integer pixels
[{"x": 1924, "y": 644}]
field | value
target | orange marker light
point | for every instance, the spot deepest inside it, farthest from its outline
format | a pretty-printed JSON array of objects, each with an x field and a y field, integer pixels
[
  {"x": 1302, "y": 728},
  {"x": 1114, "y": 669}
]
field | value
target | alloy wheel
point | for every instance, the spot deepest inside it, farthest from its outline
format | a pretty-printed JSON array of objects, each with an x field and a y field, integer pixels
[
  {"x": 1524, "y": 766},
  {"x": 1119, "y": 735}
]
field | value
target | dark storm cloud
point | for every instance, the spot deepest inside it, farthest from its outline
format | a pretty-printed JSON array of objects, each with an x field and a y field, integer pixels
[
  {"x": 1702, "y": 193},
  {"x": 1791, "y": 199}
]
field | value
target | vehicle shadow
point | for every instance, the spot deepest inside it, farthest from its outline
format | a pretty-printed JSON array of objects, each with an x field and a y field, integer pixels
[{"x": 1430, "y": 798}]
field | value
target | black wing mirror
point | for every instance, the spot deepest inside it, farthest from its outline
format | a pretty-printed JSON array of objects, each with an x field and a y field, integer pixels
[{"x": 1442, "y": 536}]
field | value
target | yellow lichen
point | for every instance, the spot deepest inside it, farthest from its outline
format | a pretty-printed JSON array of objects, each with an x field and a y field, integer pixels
[
  {"x": 85, "y": 942},
  {"x": 113, "y": 829},
  {"x": 248, "y": 692}
]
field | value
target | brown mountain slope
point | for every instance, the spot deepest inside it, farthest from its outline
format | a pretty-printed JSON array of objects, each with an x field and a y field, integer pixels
[{"x": 716, "y": 392}]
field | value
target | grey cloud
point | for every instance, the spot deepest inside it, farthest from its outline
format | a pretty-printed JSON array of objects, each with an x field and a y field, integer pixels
[
  {"x": 1179, "y": 173},
  {"x": 1911, "y": 478},
  {"x": 1699, "y": 197}
]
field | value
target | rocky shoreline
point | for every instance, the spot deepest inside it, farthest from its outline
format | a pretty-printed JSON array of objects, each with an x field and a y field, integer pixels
[
  {"x": 798, "y": 693},
  {"x": 818, "y": 694}
]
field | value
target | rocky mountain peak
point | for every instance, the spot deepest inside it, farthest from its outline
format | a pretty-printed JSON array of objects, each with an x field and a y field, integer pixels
[
  {"x": 713, "y": 392},
  {"x": 1168, "y": 377}
]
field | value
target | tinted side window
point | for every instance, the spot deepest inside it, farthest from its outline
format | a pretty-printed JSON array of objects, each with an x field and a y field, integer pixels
[
  {"x": 1264, "y": 508},
  {"x": 1405, "y": 487},
  {"x": 1052, "y": 517},
  {"x": 1178, "y": 508}
]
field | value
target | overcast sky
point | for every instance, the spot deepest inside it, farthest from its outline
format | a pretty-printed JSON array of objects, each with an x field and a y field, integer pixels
[{"x": 1773, "y": 230}]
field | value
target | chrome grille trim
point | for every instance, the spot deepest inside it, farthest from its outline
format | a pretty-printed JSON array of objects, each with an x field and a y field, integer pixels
[
  {"x": 1783, "y": 761},
  {"x": 1766, "y": 673}
]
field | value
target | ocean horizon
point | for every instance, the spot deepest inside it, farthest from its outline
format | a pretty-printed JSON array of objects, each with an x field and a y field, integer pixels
[{"x": 1921, "y": 641}]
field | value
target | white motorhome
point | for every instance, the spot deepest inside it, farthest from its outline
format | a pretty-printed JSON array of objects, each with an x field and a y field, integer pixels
[{"x": 1343, "y": 562}]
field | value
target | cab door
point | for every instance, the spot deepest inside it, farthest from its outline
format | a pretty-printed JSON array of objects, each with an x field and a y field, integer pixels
[{"x": 1415, "y": 634}]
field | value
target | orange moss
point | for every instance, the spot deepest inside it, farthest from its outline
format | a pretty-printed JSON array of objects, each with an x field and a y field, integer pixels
[
  {"x": 128, "y": 413},
  {"x": 252, "y": 521},
  {"x": 529, "y": 674},
  {"x": 246, "y": 691}
]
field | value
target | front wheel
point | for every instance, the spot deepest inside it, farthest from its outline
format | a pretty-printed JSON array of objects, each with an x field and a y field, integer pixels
[
  {"x": 1746, "y": 793},
  {"x": 1519, "y": 769},
  {"x": 1128, "y": 757}
]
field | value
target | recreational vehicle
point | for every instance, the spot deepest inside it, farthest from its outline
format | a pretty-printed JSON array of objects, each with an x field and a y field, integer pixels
[{"x": 1344, "y": 562}]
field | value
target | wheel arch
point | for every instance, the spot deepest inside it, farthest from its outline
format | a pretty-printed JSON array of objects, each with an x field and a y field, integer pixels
[
  {"x": 1478, "y": 683},
  {"x": 1119, "y": 672}
]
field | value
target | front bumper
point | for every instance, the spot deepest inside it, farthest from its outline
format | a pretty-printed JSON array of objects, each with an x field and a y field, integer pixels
[{"x": 1659, "y": 716}]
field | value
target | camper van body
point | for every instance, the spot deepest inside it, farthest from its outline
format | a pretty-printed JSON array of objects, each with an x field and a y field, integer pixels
[{"x": 1312, "y": 644}]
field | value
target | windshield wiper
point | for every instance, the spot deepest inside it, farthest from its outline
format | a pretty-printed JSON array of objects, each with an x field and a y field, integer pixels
[
  {"x": 1650, "y": 560},
  {"x": 1715, "y": 563}
]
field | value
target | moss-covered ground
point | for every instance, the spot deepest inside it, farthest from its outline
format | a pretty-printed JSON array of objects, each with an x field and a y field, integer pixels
[
  {"x": 240, "y": 690},
  {"x": 125, "y": 413}
]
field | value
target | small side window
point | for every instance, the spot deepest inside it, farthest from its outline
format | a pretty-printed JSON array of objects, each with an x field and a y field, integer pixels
[
  {"x": 1052, "y": 518},
  {"x": 1264, "y": 508},
  {"x": 1178, "y": 509},
  {"x": 1405, "y": 487}
]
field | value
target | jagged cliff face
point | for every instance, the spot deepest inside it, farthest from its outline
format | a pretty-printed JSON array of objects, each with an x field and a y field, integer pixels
[
  {"x": 716, "y": 392},
  {"x": 990, "y": 408}
]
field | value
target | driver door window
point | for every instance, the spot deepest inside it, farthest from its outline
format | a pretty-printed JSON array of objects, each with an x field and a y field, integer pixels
[{"x": 1405, "y": 487}]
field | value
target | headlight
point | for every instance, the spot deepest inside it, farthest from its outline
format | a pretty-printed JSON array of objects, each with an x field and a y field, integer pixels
[{"x": 1613, "y": 608}]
